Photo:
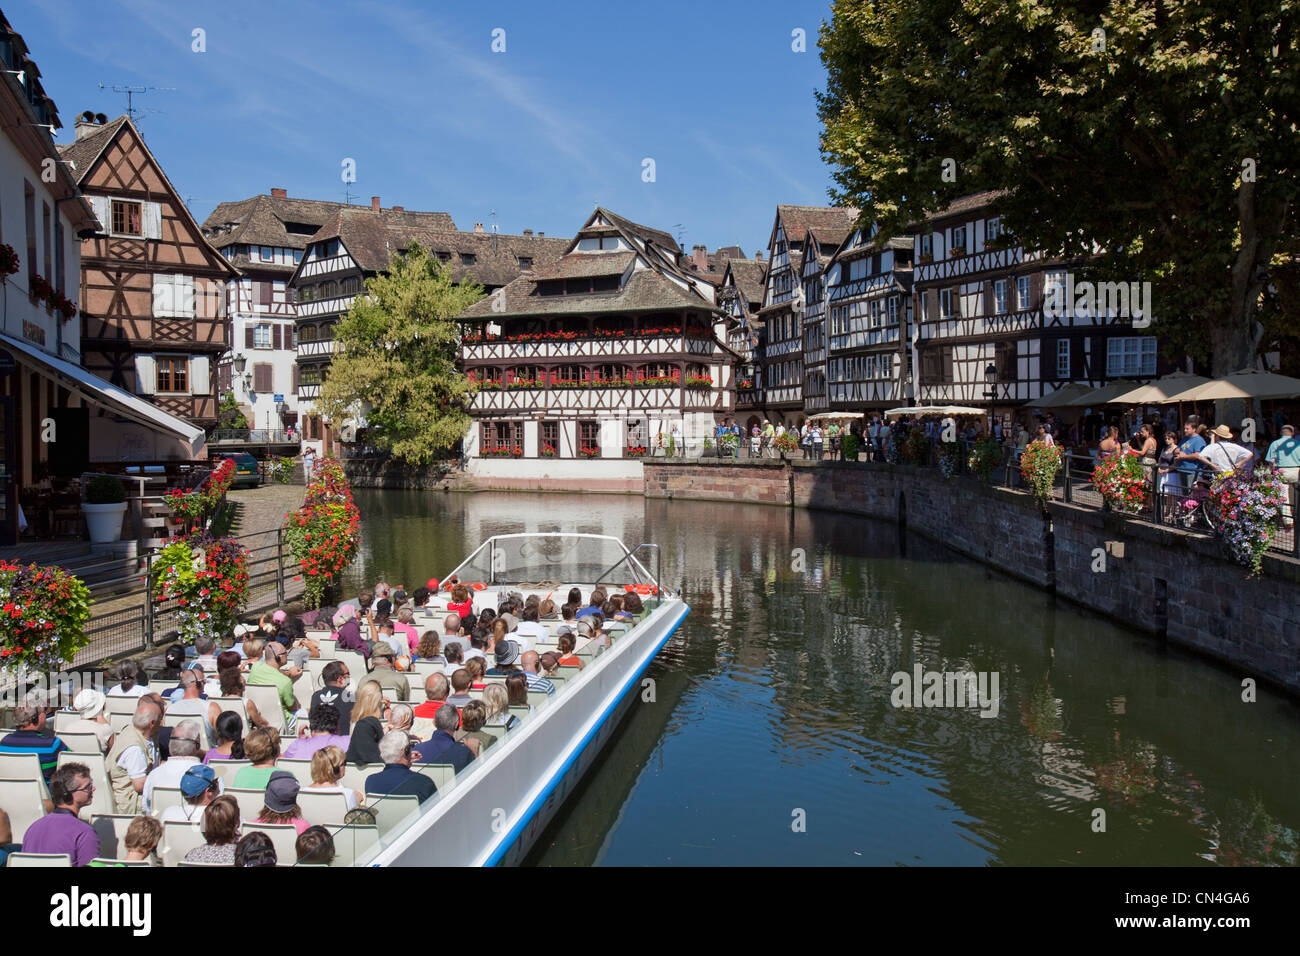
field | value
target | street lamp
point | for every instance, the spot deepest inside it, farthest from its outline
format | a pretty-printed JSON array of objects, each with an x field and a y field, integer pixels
[{"x": 991, "y": 378}]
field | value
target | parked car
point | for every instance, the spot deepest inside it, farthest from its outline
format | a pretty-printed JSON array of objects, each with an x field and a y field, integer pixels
[{"x": 247, "y": 472}]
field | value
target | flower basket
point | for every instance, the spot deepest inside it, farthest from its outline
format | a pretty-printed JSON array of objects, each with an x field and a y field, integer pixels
[
  {"x": 1249, "y": 510},
  {"x": 984, "y": 459},
  {"x": 634, "y": 451},
  {"x": 1038, "y": 466},
  {"x": 1121, "y": 482},
  {"x": 786, "y": 444},
  {"x": 44, "y": 611},
  {"x": 325, "y": 533},
  {"x": 207, "y": 578},
  {"x": 589, "y": 451},
  {"x": 39, "y": 288},
  {"x": 547, "y": 451},
  {"x": 8, "y": 260},
  {"x": 949, "y": 458}
]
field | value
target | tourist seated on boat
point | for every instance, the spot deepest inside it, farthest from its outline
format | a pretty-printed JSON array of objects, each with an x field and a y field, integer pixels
[
  {"x": 255, "y": 849},
  {"x": 507, "y": 659},
  {"x": 281, "y": 804},
  {"x": 397, "y": 777},
  {"x": 337, "y": 692},
  {"x": 323, "y": 732},
  {"x": 454, "y": 632},
  {"x": 498, "y": 632},
  {"x": 497, "y": 701},
  {"x": 131, "y": 681},
  {"x": 443, "y": 747},
  {"x": 405, "y": 625},
  {"x": 380, "y": 593},
  {"x": 183, "y": 752},
  {"x": 63, "y": 831},
  {"x": 399, "y": 598},
  {"x": 455, "y": 658},
  {"x": 199, "y": 787},
  {"x": 220, "y": 830},
  {"x": 547, "y": 611},
  {"x": 517, "y": 690},
  {"x": 231, "y": 679},
  {"x": 228, "y": 734},
  {"x": 7, "y": 844},
  {"x": 143, "y": 835},
  {"x": 315, "y": 846},
  {"x": 328, "y": 765},
  {"x": 383, "y": 671},
  {"x": 569, "y": 613},
  {"x": 91, "y": 717},
  {"x": 591, "y": 626},
  {"x": 420, "y": 597},
  {"x": 292, "y": 633},
  {"x": 269, "y": 671},
  {"x": 190, "y": 703},
  {"x": 614, "y": 609},
  {"x": 461, "y": 603},
  {"x": 597, "y": 601},
  {"x": 486, "y": 617},
  {"x": 575, "y": 597},
  {"x": 369, "y": 714},
  {"x": 477, "y": 667},
  {"x": 472, "y": 734},
  {"x": 528, "y": 631},
  {"x": 567, "y": 643},
  {"x": 460, "y": 684},
  {"x": 33, "y": 735},
  {"x": 479, "y": 642},
  {"x": 530, "y": 661},
  {"x": 205, "y": 648},
  {"x": 436, "y": 689},
  {"x": 430, "y": 648},
  {"x": 347, "y": 631},
  {"x": 632, "y": 604},
  {"x": 262, "y": 747},
  {"x": 402, "y": 717},
  {"x": 549, "y": 664}
]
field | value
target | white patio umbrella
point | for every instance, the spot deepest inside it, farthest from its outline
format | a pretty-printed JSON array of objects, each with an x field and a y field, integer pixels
[
  {"x": 934, "y": 410},
  {"x": 1246, "y": 383},
  {"x": 1161, "y": 391}
]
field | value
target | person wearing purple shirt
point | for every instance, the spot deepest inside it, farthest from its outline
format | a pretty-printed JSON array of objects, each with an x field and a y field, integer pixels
[
  {"x": 63, "y": 831},
  {"x": 324, "y": 732},
  {"x": 349, "y": 631}
]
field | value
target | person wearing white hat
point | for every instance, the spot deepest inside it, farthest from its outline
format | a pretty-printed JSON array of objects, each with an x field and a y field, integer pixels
[
  {"x": 89, "y": 705},
  {"x": 1222, "y": 454}
]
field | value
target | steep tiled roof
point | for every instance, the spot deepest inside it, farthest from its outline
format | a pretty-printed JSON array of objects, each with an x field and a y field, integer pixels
[
  {"x": 830, "y": 224},
  {"x": 966, "y": 204},
  {"x": 645, "y": 291},
  {"x": 657, "y": 236},
  {"x": 82, "y": 154},
  {"x": 749, "y": 275},
  {"x": 578, "y": 264},
  {"x": 262, "y": 220},
  {"x": 18, "y": 61}
]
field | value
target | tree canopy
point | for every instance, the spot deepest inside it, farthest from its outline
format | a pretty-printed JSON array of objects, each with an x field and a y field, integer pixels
[
  {"x": 395, "y": 359},
  {"x": 1161, "y": 132}
]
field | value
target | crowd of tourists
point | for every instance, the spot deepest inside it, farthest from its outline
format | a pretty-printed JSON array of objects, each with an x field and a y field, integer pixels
[{"x": 377, "y": 726}]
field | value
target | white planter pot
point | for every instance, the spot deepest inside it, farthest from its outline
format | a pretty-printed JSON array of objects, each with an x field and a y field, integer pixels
[{"x": 104, "y": 522}]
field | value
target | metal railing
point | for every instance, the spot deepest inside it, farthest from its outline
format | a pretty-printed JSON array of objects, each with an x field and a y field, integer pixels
[{"x": 254, "y": 436}]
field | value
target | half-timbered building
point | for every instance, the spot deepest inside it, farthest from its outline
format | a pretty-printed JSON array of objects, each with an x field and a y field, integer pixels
[
  {"x": 597, "y": 354},
  {"x": 820, "y": 241},
  {"x": 982, "y": 334},
  {"x": 868, "y": 323},
  {"x": 740, "y": 296},
  {"x": 153, "y": 288},
  {"x": 784, "y": 304},
  {"x": 265, "y": 238},
  {"x": 357, "y": 243}
]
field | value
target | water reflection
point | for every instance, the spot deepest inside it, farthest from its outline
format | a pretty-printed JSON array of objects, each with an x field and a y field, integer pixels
[{"x": 774, "y": 698}]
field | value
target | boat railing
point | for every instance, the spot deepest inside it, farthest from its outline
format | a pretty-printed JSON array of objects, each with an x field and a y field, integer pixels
[
  {"x": 629, "y": 558},
  {"x": 490, "y": 564}
]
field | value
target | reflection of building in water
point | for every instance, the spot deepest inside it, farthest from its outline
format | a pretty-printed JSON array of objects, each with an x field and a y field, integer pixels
[{"x": 492, "y": 513}]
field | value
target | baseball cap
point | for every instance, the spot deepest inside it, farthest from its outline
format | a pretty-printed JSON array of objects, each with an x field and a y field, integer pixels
[
  {"x": 196, "y": 779},
  {"x": 279, "y": 616},
  {"x": 382, "y": 649},
  {"x": 282, "y": 791}
]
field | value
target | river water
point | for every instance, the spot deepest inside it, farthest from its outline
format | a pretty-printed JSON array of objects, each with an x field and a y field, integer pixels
[{"x": 773, "y": 738}]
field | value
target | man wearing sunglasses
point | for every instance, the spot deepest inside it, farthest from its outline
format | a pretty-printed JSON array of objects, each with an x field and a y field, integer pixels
[{"x": 63, "y": 831}]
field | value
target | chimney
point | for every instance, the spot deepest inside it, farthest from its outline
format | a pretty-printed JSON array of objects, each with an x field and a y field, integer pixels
[
  {"x": 541, "y": 235},
  {"x": 374, "y": 203},
  {"x": 758, "y": 255},
  {"x": 278, "y": 193},
  {"x": 528, "y": 232},
  {"x": 478, "y": 227},
  {"x": 700, "y": 256},
  {"x": 85, "y": 126},
  {"x": 399, "y": 209}
]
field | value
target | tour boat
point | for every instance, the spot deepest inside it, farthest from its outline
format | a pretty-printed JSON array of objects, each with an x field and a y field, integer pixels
[{"x": 494, "y": 810}]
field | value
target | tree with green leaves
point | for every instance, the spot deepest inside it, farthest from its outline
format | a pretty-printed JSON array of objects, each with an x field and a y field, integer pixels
[
  {"x": 1162, "y": 132},
  {"x": 395, "y": 358}
]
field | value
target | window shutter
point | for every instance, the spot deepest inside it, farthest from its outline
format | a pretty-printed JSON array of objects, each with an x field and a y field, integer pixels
[
  {"x": 295, "y": 379},
  {"x": 932, "y": 304},
  {"x": 164, "y": 297},
  {"x": 199, "y": 383},
  {"x": 152, "y": 220},
  {"x": 262, "y": 378},
  {"x": 224, "y": 373},
  {"x": 248, "y": 336},
  {"x": 100, "y": 205},
  {"x": 1036, "y": 291},
  {"x": 276, "y": 341},
  {"x": 145, "y": 375},
  {"x": 264, "y": 294},
  {"x": 989, "y": 298},
  {"x": 184, "y": 296}
]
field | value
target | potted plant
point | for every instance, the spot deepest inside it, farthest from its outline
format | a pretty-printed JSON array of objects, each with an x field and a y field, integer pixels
[
  {"x": 104, "y": 507},
  {"x": 786, "y": 444},
  {"x": 728, "y": 444},
  {"x": 8, "y": 260}
]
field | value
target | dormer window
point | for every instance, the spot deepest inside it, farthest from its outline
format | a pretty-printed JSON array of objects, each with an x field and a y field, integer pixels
[
  {"x": 468, "y": 258},
  {"x": 525, "y": 262}
]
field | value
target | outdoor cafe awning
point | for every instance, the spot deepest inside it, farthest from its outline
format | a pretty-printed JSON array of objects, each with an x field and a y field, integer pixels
[
  {"x": 935, "y": 410},
  {"x": 1247, "y": 383},
  {"x": 1105, "y": 395},
  {"x": 1063, "y": 397},
  {"x": 1160, "y": 391},
  {"x": 835, "y": 417},
  {"x": 99, "y": 392}
]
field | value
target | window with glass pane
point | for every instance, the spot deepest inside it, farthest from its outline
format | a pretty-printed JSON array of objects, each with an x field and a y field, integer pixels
[
  {"x": 1131, "y": 356},
  {"x": 1022, "y": 292},
  {"x": 958, "y": 238},
  {"x": 1063, "y": 358},
  {"x": 588, "y": 435},
  {"x": 1000, "y": 297},
  {"x": 550, "y": 436},
  {"x": 927, "y": 245},
  {"x": 992, "y": 228},
  {"x": 127, "y": 218},
  {"x": 262, "y": 336},
  {"x": 945, "y": 303},
  {"x": 173, "y": 373},
  {"x": 1054, "y": 292}
]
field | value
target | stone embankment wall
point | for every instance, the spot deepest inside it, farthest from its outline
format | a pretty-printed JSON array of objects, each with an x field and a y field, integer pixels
[
  {"x": 389, "y": 473},
  {"x": 1162, "y": 581}
]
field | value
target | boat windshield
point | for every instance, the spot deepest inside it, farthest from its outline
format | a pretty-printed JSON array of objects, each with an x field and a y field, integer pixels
[{"x": 552, "y": 559}]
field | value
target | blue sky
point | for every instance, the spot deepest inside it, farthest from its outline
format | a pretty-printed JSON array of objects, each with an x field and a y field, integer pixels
[{"x": 435, "y": 120}]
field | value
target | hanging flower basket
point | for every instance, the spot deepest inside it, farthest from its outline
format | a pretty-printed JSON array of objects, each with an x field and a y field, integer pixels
[
  {"x": 43, "y": 613},
  {"x": 325, "y": 533},
  {"x": 1249, "y": 510},
  {"x": 1121, "y": 482},
  {"x": 984, "y": 459},
  {"x": 1038, "y": 466}
]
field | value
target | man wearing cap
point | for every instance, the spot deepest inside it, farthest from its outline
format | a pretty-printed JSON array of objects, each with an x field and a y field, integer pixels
[
  {"x": 199, "y": 787},
  {"x": 89, "y": 705},
  {"x": 184, "y": 752},
  {"x": 267, "y": 671},
  {"x": 1284, "y": 455},
  {"x": 507, "y": 659},
  {"x": 397, "y": 777},
  {"x": 443, "y": 747},
  {"x": 32, "y": 735},
  {"x": 383, "y": 672}
]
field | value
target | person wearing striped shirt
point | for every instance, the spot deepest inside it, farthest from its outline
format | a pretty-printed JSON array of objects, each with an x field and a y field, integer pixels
[
  {"x": 535, "y": 680},
  {"x": 32, "y": 735}
]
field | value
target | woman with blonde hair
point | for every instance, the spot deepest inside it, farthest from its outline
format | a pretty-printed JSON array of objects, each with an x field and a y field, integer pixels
[
  {"x": 476, "y": 669},
  {"x": 327, "y": 768},
  {"x": 497, "y": 702},
  {"x": 430, "y": 648},
  {"x": 369, "y": 716}
]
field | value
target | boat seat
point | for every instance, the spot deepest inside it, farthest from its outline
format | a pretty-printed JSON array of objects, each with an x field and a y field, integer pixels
[
  {"x": 163, "y": 797},
  {"x": 283, "y": 836},
  {"x": 24, "y": 800},
  {"x": 323, "y": 807},
  {"x": 121, "y": 704},
  {"x": 102, "y": 799},
  {"x": 392, "y": 811},
  {"x": 38, "y": 859},
  {"x": 111, "y": 830},
  {"x": 443, "y": 775},
  {"x": 225, "y": 770},
  {"x": 301, "y": 769},
  {"x": 179, "y": 837},
  {"x": 351, "y": 841},
  {"x": 250, "y": 801}
]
